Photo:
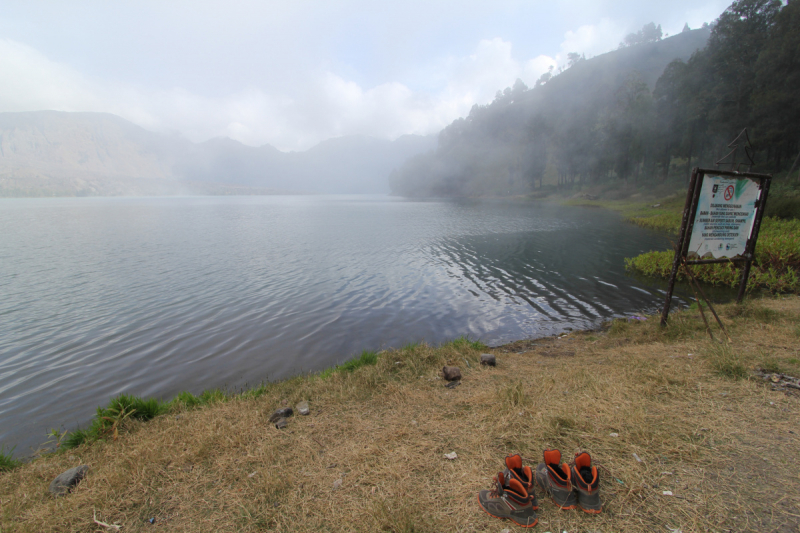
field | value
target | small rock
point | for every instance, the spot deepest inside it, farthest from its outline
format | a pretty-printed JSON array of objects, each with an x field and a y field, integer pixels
[
  {"x": 281, "y": 423},
  {"x": 451, "y": 373},
  {"x": 615, "y": 435},
  {"x": 451, "y": 456},
  {"x": 337, "y": 483},
  {"x": 656, "y": 205},
  {"x": 453, "y": 384},
  {"x": 505, "y": 530},
  {"x": 488, "y": 359},
  {"x": 252, "y": 474},
  {"x": 667, "y": 493},
  {"x": 64, "y": 482},
  {"x": 284, "y": 412},
  {"x": 302, "y": 408}
]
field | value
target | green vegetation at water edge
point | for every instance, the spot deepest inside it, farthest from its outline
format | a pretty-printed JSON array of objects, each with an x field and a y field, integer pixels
[
  {"x": 776, "y": 268},
  {"x": 7, "y": 461},
  {"x": 110, "y": 420}
]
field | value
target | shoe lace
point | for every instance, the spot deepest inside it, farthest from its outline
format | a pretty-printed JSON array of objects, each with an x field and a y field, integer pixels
[{"x": 497, "y": 489}]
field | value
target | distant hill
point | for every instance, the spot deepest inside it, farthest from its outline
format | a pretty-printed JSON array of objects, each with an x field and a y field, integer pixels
[
  {"x": 352, "y": 164},
  {"x": 559, "y": 128},
  {"x": 51, "y": 153}
]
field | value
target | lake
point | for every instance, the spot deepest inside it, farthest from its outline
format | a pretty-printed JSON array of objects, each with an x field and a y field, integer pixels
[{"x": 152, "y": 296}]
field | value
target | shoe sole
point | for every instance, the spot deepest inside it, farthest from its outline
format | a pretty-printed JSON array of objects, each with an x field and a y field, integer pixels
[
  {"x": 506, "y": 517},
  {"x": 591, "y": 511}
]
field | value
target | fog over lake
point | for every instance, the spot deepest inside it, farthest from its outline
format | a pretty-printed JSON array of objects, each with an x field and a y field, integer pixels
[{"x": 152, "y": 296}]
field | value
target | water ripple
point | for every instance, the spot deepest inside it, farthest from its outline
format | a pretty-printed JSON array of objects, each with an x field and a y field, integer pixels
[{"x": 151, "y": 296}]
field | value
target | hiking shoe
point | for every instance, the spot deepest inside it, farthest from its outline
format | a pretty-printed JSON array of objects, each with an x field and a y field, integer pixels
[
  {"x": 555, "y": 479},
  {"x": 586, "y": 481},
  {"x": 510, "y": 502},
  {"x": 523, "y": 474}
]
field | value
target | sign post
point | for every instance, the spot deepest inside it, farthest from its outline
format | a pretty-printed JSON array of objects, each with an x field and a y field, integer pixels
[{"x": 721, "y": 219}]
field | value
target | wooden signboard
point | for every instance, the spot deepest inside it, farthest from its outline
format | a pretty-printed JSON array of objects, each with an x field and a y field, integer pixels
[{"x": 720, "y": 224}]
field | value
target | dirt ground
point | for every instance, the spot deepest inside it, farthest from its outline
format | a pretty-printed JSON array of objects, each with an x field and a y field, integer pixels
[{"x": 658, "y": 409}]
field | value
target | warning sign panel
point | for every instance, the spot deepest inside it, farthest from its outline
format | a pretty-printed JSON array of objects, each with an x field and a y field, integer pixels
[{"x": 724, "y": 217}]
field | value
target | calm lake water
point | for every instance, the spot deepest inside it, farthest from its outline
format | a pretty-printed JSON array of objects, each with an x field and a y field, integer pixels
[{"x": 151, "y": 296}]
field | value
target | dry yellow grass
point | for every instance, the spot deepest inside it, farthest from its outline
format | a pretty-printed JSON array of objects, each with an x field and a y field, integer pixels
[{"x": 727, "y": 448}]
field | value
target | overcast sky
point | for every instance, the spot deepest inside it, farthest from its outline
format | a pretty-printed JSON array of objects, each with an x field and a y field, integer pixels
[{"x": 293, "y": 73}]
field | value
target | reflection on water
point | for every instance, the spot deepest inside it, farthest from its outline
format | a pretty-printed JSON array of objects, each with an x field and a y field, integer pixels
[{"x": 151, "y": 296}]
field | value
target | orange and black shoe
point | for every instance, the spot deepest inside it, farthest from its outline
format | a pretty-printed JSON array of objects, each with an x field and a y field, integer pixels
[
  {"x": 586, "y": 481},
  {"x": 508, "y": 502},
  {"x": 523, "y": 474},
  {"x": 556, "y": 480}
]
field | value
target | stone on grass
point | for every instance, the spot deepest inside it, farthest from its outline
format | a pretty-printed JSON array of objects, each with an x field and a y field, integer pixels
[
  {"x": 488, "y": 359},
  {"x": 64, "y": 482},
  {"x": 302, "y": 408},
  {"x": 281, "y": 413},
  {"x": 451, "y": 373},
  {"x": 281, "y": 423}
]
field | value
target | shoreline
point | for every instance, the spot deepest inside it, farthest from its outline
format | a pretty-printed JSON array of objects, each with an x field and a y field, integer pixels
[{"x": 371, "y": 450}]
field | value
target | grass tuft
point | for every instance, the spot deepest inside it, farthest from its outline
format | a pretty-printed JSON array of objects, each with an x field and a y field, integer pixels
[
  {"x": 212, "y": 396},
  {"x": 749, "y": 309},
  {"x": 7, "y": 461},
  {"x": 727, "y": 362},
  {"x": 75, "y": 438},
  {"x": 367, "y": 358},
  {"x": 462, "y": 343},
  {"x": 514, "y": 394}
]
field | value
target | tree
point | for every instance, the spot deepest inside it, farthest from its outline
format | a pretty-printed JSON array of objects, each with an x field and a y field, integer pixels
[
  {"x": 733, "y": 48},
  {"x": 650, "y": 33},
  {"x": 776, "y": 112},
  {"x": 573, "y": 58}
]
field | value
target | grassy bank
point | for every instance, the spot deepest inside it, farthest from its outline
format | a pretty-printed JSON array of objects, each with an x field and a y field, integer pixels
[
  {"x": 777, "y": 265},
  {"x": 369, "y": 457}
]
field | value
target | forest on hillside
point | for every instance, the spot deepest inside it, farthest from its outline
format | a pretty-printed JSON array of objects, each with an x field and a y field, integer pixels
[{"x": 642, "y": 114}]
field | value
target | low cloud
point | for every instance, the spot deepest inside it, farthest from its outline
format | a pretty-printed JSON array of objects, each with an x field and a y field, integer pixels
[
  {"x": 592, "y": 39},
  {"x": 323, "y": 105}
]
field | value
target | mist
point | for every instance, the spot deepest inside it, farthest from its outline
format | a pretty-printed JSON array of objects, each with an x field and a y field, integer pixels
[{"x": 293, "y": 75}]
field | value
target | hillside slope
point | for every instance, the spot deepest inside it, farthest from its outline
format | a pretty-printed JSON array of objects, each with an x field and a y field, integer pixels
[{"x": 505, "y": 147}]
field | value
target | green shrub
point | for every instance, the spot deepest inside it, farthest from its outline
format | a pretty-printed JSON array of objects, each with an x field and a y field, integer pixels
[{"x": 785, "y": 207}]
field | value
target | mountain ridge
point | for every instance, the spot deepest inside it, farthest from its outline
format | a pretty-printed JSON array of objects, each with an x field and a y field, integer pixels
[{"x": 56, "y": 153}]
